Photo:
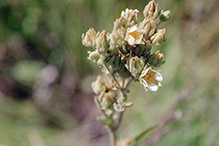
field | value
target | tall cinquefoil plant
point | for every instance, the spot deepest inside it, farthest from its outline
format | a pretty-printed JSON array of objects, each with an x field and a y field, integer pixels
[{"x": 125, "y": 55}]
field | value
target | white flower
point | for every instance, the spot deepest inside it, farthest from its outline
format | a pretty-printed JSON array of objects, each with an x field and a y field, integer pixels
[
  {"x": 150, "y": 79},
  {"x": 134, "y": 35}
]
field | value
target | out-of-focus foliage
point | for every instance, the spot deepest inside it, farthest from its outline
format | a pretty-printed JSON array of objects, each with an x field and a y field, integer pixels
[{"x": 45, "y": 77}]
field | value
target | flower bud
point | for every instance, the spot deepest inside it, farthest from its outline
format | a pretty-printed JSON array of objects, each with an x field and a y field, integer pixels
[
  {"x": 144, "y": 25},
  {"x": 130, "y": 15},
  {"x": 159, "y": 37},
  {"x": 114, "y": 59},
  {"x": 100, "y": 41},
  {"x": 110, "y": 60},
  {"x": 105, "y": 100},
  {"x": 138, "y": 50},
  {"x": 102, "y": 101},
  {"x": 89, "y": 37},
  {"x": 165, "y": 15},
  {"x": 157, "y": 11},
  {"x": 109, "y": 56},
  {"x": 156, "y": 59},
  {"x": 118, "y": 107},
  {"x": 151, "y": 10},
  {"x": 112, "y": 38},
  {"x": 121, "y": 104},
  {"x": 118, "y": 23},
  {"x": 100, "y": 61},
  {"x": 141, "y": 49},
  {"x": 149, "y": 26},
  {"x": 109, "y": 97},
  {"x": 120, "y": 33},
  {"x": 147, "y": 47},
  {"x": 103, "y": 104},
  {"x": 117, "y": 63},
  {"x": 93, "y": 56},
  {"x": 98, "y": 86},
  {"x": 135, "y": 65},
  {"x": 116, "y": 38}
]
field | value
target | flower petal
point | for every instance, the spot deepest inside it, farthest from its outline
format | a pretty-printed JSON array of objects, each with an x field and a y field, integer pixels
[
  {"x": 134, "y": 35},
  {"x": 153, "y": 87},
  {"x": 144, "y": 72},
  {"x": 131, "y": 40},
  {"x": 158, "y": 76},
  {"x": 132, "y": 29}
]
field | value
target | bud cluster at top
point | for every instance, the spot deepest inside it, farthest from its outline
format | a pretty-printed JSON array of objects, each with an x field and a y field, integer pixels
[{"x": 126, "y": 51}]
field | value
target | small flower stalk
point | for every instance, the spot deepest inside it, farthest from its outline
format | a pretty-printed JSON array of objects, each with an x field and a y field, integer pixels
[{"x": 126, "y": 55}]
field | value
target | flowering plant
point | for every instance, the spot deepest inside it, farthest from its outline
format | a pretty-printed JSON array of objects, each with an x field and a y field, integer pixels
[{"x": 124, "y": 55}]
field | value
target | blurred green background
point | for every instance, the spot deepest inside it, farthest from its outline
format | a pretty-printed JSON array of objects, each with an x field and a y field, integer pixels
[{"x": 45, "y": 93}]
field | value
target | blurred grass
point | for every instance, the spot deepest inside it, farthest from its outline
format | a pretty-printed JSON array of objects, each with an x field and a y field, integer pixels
[{"x": 37, "y": 33}]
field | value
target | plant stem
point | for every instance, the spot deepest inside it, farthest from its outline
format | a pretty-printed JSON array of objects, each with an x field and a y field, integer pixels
[
  {"x": 159, "y": 23},
  {"x": 113, "y": 76},
  {"x": 127, "y": 85},
  {"x": 113, "y": 130},
  {"x": 119, "y": 121},
  {"x": 112, "y": 135}
]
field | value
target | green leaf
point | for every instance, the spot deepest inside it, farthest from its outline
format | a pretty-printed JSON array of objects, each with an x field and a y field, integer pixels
[{"x": 143, "y": 135}]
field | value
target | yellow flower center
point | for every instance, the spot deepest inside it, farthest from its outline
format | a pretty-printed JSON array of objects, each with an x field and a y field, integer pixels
[
  {"x": 149, "y": 77},
  {"x": 134, "y": 34}
]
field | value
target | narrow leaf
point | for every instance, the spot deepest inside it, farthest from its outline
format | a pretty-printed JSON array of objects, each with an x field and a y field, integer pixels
[{"x": 141, "y": 136}]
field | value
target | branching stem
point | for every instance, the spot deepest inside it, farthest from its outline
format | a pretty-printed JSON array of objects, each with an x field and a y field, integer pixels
[{"x": 114, "y": 129}]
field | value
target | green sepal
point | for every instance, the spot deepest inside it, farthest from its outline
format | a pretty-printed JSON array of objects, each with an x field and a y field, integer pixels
[
  {"x": 123, "y": 72},
  {"x": 164, "y": 18}
]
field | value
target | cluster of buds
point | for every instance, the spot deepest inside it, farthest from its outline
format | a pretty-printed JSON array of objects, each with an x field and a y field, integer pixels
[
  {"x": 126, "y": 54},
  {"x": 109, "y": 100}
]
